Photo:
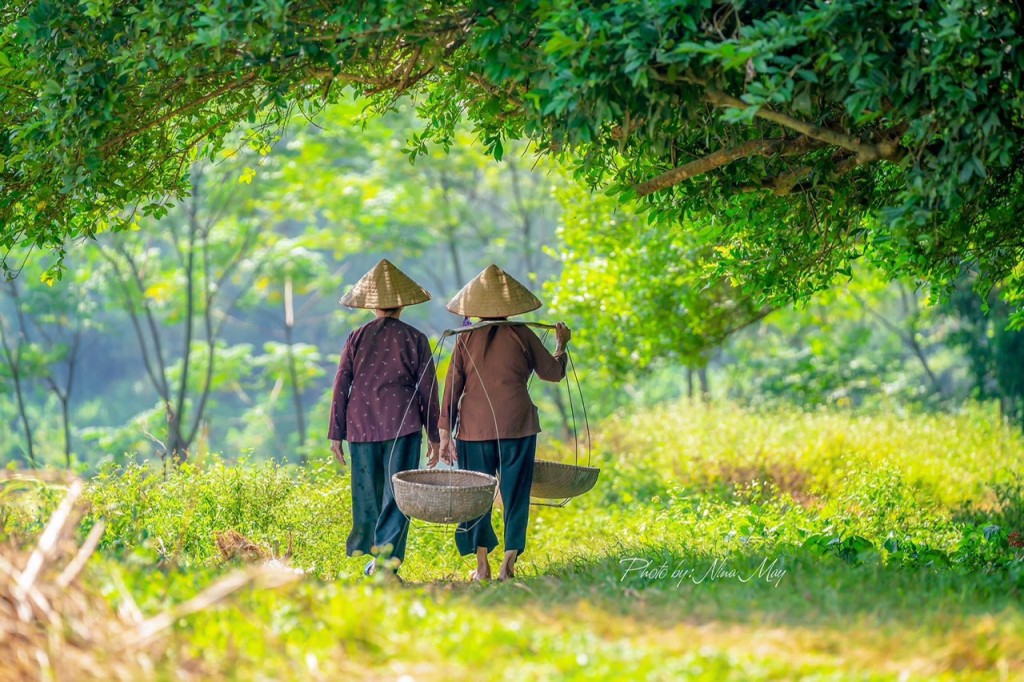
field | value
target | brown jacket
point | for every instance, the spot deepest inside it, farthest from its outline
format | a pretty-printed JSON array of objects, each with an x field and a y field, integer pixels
[{"x": 485, "y": 395}]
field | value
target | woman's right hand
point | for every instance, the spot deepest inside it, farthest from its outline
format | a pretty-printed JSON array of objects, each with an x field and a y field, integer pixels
[
  {"x": 562, "y": 334},
  {"x": 433, "y": 453},
  {"x": 339, "y": 453}
]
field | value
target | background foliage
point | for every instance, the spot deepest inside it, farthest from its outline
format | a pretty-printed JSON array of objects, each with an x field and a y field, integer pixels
[
  {"x": 796, "y": 145},
  {"x": 95, "y": 367},
  {"x": 802, "y": 215}
]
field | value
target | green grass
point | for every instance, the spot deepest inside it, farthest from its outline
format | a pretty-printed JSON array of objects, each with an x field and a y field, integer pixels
[{"x": 890, "y": 535}]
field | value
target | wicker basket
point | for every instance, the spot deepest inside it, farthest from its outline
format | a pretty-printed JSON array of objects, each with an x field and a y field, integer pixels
[
  {"x": 443, "y": 495},
  {"x": 554, "y": 480}
]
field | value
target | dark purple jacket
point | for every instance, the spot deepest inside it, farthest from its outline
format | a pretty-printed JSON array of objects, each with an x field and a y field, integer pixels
[{"x": 386, "y": 386}]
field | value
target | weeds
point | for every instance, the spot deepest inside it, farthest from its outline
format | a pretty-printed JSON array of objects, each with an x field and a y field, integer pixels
[{"x": 899, "y": 530}]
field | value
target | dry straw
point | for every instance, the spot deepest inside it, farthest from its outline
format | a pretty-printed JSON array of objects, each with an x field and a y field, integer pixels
[{"x": 54, "y": 627}]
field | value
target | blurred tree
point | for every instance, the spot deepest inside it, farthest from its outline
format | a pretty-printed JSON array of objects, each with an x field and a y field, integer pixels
[
  {"x": 174, "y": 286},
  {"x": 639, "y": 295},
  {"x": 41, "y": 331},
  {"x": 864, "y": 343},
  {"x": 994, "y": 353},
  {"x": 905, "y": 323}
]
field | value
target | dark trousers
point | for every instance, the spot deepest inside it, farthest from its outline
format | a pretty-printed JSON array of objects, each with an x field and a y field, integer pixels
[
  {"x": 514, "y": 467},
  {"x": 376, "y": 518}
]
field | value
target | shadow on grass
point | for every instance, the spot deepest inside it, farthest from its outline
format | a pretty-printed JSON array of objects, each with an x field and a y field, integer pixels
[{"x": 788, "y": 587}]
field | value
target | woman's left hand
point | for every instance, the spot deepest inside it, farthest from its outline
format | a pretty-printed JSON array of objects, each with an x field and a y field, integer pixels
[
  {"x": 562, "y": 334},
  {"x": 448, "y": 453}
]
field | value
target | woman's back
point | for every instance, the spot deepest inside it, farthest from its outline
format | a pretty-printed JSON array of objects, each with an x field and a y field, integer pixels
[
  {"x": 385, "y": 387},
  {"x": 487, "y": 382}
]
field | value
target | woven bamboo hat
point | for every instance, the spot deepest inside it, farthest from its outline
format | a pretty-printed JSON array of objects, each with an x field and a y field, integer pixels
[
  {"x": 383, "y": 287},
  {"x": 493, "y": 293}
]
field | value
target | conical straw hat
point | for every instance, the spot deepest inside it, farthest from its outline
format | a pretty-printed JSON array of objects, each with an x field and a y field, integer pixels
[
  {"x": 493, "y": 293},
  {"x": 383, "y": 287}
]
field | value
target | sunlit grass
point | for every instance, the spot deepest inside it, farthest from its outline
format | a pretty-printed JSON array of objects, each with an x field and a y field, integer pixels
[{"x": 776, "y": 546}]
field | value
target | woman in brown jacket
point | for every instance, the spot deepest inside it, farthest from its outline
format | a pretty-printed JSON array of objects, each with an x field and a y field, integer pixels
[{"x": 487, "y": 407}]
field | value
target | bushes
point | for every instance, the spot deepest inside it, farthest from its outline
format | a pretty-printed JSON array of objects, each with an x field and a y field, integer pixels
[
  {"x": 721, "y": 479},
  {"x": 713, "y": 480},
  {"x": 177, "y": 512}
]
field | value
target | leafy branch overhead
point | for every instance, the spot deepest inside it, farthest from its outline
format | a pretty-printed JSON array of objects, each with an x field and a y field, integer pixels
[{"x": 801, "y": 135}]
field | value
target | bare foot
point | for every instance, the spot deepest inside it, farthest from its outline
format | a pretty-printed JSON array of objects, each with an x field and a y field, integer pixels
[
  {"x": 483, "y": 567},
  {"x": 393, "y": 577},
  {"x": 508, "y": 569}
]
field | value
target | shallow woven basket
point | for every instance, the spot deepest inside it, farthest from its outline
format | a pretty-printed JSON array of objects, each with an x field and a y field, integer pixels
[
  {"x": 554, "y": 480},
  {"x": 443, "y": 496}
]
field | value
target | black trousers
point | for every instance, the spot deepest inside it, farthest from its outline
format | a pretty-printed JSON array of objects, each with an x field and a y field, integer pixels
[
  {"x": 376, "y": 519},
  {"x": 514, "y": 467}
]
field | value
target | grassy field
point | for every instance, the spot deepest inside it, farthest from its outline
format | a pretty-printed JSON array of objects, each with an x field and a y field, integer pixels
[{"x": 718, "y": 545}]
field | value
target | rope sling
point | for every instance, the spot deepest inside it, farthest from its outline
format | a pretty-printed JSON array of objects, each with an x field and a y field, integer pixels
[{"x": 449, "y": 496}]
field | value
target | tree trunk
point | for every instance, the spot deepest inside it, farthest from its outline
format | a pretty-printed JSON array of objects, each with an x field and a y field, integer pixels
[
  {"x": 293, "y": 375},
  {"x": 64, "y": 395},
  {"x": 911, "y": 310},
  {"x": 177, "y": 446},
  {"x": 23, "y": 413},
  {"x": 189, "y": 319},
  {"x": 451, "y": 233},
  {"x": 67, "y": 431},
  {"x": 705, "y": 389},
  {"x": 13, "y": 362}
]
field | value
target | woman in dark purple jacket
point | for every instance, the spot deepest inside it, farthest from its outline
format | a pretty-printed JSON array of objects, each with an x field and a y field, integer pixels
[{"x": 385, "y": 394}]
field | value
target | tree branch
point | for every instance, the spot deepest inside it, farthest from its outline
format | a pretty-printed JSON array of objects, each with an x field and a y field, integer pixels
[
  {"x": 812, "y": 137},
  {"x": 908, "y": 336},
  {"x": 766, "y": 147},
  {"x": 120, "y": 140},
  {"x": 826, "y": 135},
  {"x": 140, "y": 287},
  {"x": 844, "y": 162},
  {"x": 151, "y": 365},
  {"x": 13, "y": 358},
  {"x": 211, "y": 344}
]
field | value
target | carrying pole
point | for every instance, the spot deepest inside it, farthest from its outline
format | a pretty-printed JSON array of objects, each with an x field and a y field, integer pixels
[{"x": 495, "y": 323}]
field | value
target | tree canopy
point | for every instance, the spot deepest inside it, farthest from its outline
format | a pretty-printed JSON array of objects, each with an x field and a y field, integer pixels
[{"x": 798, "y": 137}]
